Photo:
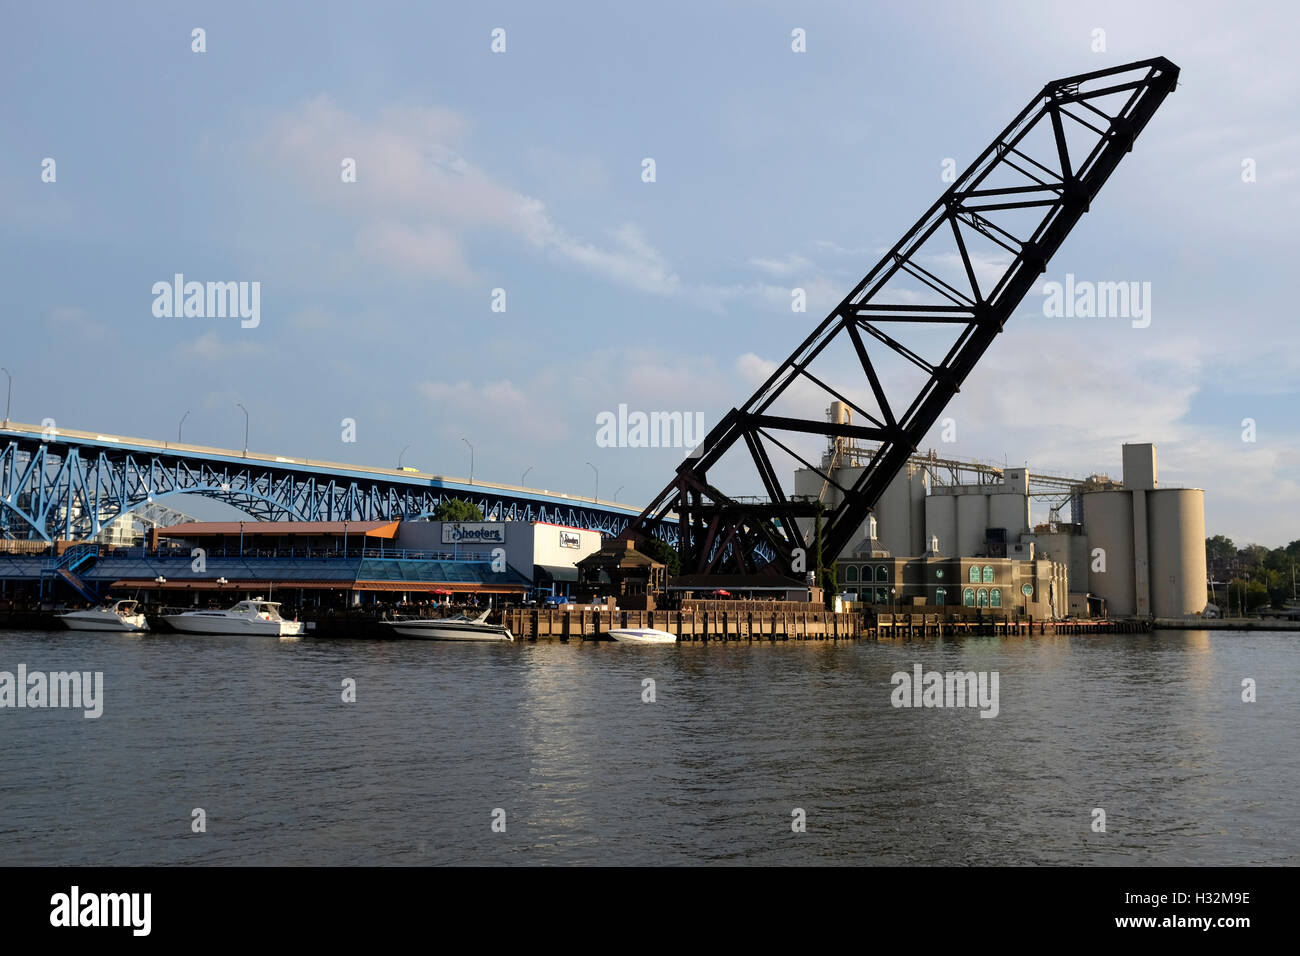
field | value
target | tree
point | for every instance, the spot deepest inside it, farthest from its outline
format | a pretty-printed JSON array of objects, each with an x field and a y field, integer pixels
[
  {"x": 1219, "y": 549},
  {"x": 454, "y": 509},
  {"x": 664, "y": 553}
]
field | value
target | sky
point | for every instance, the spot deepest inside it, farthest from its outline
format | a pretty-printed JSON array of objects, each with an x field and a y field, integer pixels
[{"x": 524, "y": 171}]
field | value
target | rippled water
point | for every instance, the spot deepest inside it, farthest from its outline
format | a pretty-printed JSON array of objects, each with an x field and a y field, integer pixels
[{"x": 1151, "y": 728}]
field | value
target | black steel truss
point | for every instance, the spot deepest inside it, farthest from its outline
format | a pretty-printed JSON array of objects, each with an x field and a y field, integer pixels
[{"x": 1019, "y": 199}]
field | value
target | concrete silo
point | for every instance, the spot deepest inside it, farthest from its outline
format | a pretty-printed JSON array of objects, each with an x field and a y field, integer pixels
[
  {"x": 1176, "y": 523},
  {"x": 972, "y": 522},
  {"x": 1110, "y": 527},
  {"x": 941, "y": 522}
]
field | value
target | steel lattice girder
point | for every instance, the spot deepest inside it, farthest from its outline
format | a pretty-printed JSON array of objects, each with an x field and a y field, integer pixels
[
  {"x": 66, "y": 488},
  {"x": 1020, "y": 198}
]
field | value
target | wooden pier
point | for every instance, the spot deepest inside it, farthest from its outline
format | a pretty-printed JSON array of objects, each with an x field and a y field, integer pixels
[
  {"x": 744, "y": 623},
  {"x": 758, "y": 621}
]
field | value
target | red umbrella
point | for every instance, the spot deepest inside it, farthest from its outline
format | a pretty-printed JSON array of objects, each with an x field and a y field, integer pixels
[
  {"x": 439, "y": 591},
  {"x": 721, "y": 593}
]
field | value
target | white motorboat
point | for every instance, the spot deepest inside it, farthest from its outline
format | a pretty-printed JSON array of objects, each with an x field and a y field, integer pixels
[
  {"x": 642, "y": 635},
  {"x": 455, "y": 628},
  {"x": 247, "y": 617},
  {"x": 121, "y": 616}
]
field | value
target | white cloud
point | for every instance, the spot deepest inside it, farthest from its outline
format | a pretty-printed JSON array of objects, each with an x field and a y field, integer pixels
[
  {"x": 72, "y": 322},
  {"x": 417, "y": 198},
  {"x": 414, "y": 250},
  {"x": 793, "y": 264},
  {"x": 211, "y": 347}
]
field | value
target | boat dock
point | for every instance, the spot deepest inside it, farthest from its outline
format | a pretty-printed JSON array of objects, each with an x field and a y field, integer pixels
[{"x": 750, "y": 621}]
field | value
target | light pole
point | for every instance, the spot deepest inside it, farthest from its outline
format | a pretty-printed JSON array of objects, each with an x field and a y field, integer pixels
[
  {"x": 524, "y": 475},
  {"x": 471, "y": 460},
  {"x": 241, "y": 405},
  {"x": 620, "y": 488},
  {"x": 180, "y": 425},
  {"x": 597, "y": 471},
  {"x": 160, "y": 581},
  {"x": 9, "y": 393},
  {"x": 345, "y": 539},
  {"x": 399, "y": 457},
  {"x": 241, "y": 539},
  {"x": 893, "y": 600}
]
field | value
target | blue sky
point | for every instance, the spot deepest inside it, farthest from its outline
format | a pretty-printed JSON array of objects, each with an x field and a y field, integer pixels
[{"x": 522, "y": 171}]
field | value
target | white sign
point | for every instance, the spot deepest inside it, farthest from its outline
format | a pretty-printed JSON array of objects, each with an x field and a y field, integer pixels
[
  {"x": 570, "y": 539},
  {"x": 487, "y": 533}
]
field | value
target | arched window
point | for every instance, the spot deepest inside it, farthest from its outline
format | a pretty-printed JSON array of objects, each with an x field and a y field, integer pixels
[
  {"x": 882, "y": 596},
  {"x": 974, "y": 574},
  {"x": 995, "y": 597},
  {"x": 988, "y": 574},
  {"x": 968, "y": 597},
  {"x": 939, "y": 595},
  {"x": 882, "y": 574},
  {"x": 851, "y": 573},
  {"x": 982, "y": 598}
]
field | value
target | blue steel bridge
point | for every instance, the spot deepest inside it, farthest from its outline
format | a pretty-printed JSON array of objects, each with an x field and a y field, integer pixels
[{"x": 67, "y": 484}]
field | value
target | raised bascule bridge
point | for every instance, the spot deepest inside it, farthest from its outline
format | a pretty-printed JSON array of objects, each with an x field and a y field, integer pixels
[{"x": 898, "y": 347}]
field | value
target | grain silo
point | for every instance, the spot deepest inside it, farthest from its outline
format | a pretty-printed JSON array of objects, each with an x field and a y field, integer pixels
[
  {"x": 1110, "y": 528},
  {"x": 1176, "y": 528}
]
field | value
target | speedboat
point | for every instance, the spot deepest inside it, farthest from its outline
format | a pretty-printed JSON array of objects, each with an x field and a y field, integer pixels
[
  {"x": 642, "y": 635},
  {"x": 456, "y": 628},
  {"x": 254, "y": 616},
  {"x": 121, "y": 616}
]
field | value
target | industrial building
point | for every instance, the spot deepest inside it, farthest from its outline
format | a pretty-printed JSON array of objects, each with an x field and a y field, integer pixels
[
  {"x": 1032, "y": 586},
  {"x": 1128, "y": 548}
]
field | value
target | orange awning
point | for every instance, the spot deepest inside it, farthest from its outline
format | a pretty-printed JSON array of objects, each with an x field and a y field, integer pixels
[{"x": 200, "y": 529}]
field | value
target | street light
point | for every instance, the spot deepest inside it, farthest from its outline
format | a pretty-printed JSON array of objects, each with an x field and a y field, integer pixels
[
  {"x": 180, "y": 424},
  {"x": 345, "y": 539},
  {"x": 399, "y": 457},
  {"x": 9, "y": 393},
  {"x": 241, "y": 405},
  {"x": 160, "y": 581},
  {"x": 524, "y": 475},
  {"x": 620, "y": 488},
  {"x": 597, "y": 471},
  {"x": 471, "y": 460}
]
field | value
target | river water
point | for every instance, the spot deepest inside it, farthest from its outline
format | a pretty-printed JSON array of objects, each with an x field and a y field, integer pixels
[{"x": 558, "y": 743}]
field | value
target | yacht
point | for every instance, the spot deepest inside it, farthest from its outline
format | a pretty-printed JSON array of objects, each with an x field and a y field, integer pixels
[
  {"x": 121, "y": 616},
  {"x": 456, "y": 628},
  {"x": 642, "y": 635},
  {"x": 254, "y": 616}
]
